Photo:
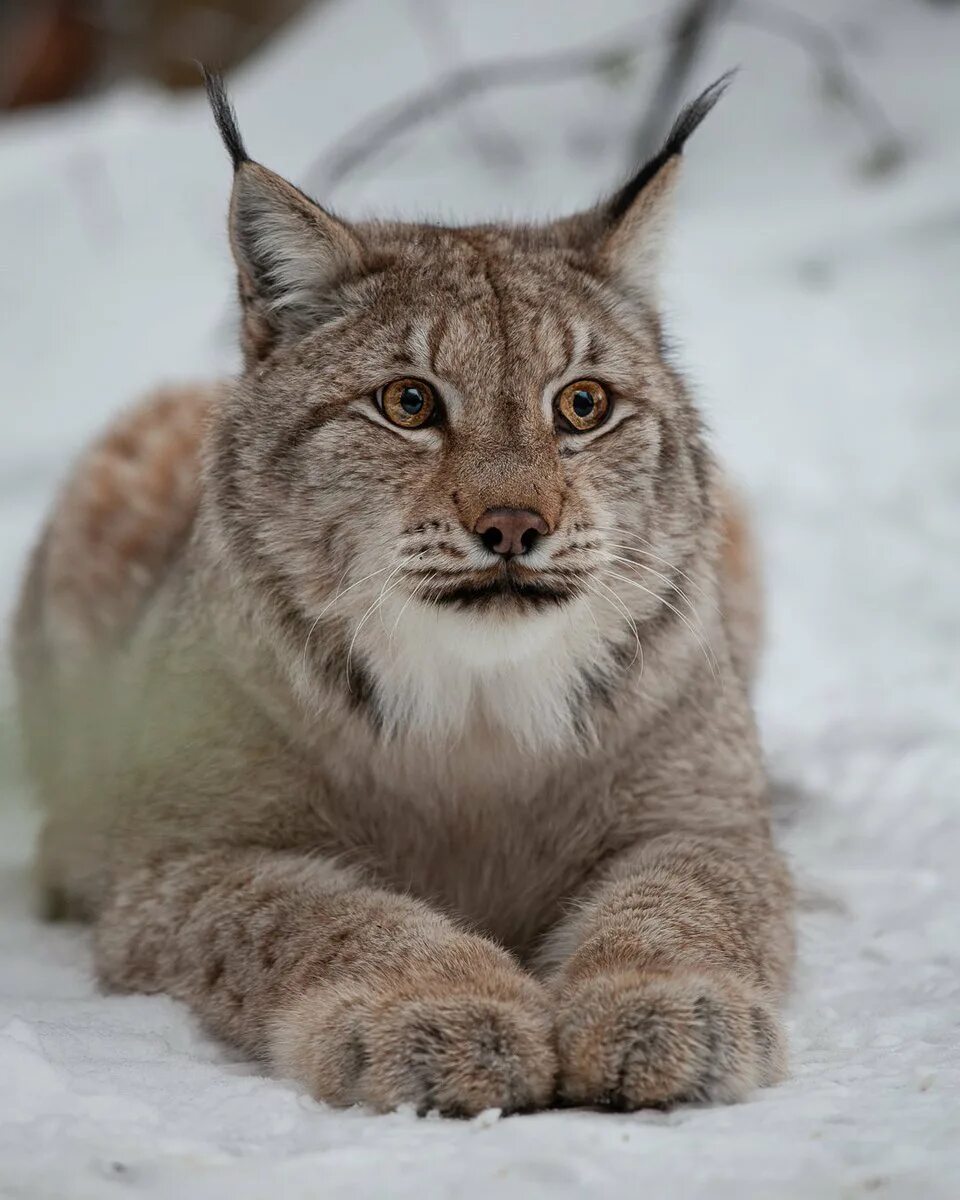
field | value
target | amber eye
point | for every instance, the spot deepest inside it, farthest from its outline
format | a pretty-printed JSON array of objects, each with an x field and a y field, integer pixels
[
  {"x": 409, "y": 403},
  {"x": 582, "y": 405}
]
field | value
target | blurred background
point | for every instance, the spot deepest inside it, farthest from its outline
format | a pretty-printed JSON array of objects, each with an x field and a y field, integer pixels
[
  {"x": 54, "y": 50},
  {"x": 812, "y": 288}
]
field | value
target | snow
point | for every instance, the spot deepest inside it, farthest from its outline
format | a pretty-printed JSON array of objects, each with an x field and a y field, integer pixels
[{"x": 817, "y": 311}]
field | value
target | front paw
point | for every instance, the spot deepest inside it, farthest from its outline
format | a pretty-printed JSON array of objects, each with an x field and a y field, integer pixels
[
  {"x": 460, "y": 1054},
  {"x": 457, "y": 1050},
  {"x": 631, "y": 1039}
]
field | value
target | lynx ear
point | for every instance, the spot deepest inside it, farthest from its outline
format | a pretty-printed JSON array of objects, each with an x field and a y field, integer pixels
[
  {"x": 289, "y": 251},
  {"x": 636, "y": 217}
]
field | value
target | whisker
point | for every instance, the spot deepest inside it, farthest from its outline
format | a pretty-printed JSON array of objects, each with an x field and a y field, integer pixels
[
  {"x": 618, "y": 604},
  {"x": 711, "y": 658},
  {"x": 306, "y": 644},
  {"x": 383, "y": 591},
  {"x": 702, "y": 591},
  {"x": 337, "y": 596},
  {"x": 363, "y": 620},
  {"x": 423, "y": 583},
  {"x": 649, "y": 553},
  {"x": 593, "y": 618},
  {"x": 666, "y": 579}
]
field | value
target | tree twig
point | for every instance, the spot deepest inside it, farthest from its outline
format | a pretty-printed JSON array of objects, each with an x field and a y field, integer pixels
[
  {"x": 360, "y": 144},
  {"x": 886, "y": 148},
  {"x": 494, "y": 145}
]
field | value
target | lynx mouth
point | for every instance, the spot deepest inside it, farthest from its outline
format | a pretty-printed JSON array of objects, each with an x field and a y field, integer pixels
[{"x": 507, "y": 588}]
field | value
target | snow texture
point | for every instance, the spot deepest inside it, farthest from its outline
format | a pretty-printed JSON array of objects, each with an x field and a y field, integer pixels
[{"x": 817, "y": 309}]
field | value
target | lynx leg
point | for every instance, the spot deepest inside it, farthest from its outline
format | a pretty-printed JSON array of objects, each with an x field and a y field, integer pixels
[
  {"x": 359, "y": 994},
  {"x": 666, "y": 980}
]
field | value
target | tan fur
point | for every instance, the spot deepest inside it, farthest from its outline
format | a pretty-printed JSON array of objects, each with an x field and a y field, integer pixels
[
  {"x": 742, "y": 585},
  {"x": 402, "y": 836},
  {"x": 124, "y": 515}
]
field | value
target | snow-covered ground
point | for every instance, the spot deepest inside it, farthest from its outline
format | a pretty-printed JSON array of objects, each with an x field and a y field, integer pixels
[{"x": 817, "y": 310}]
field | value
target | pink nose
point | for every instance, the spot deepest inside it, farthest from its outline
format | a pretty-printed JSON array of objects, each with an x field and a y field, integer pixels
[{"x": 510, "y": 531}]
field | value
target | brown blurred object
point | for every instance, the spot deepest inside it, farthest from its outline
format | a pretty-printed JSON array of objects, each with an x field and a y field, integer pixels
[
  {"x": 218, "y": 32},
  {"x": 47, "y": 52},
  {"x": 53, "y": 49}
]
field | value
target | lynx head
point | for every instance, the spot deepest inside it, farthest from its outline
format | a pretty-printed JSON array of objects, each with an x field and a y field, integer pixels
[{"x": 457, "y": 465}]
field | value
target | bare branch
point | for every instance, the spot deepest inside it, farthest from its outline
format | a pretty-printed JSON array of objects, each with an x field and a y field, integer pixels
[
  {"x": 362, "y": 143},
  {"x": 493, "y": 144},
  {"x": 886, "y": 148}
]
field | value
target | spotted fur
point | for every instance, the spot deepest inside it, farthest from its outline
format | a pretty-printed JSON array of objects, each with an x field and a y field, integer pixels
[{"x": 404, "y": 822}]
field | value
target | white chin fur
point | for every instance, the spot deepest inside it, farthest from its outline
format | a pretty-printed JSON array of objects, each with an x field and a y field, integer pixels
[
  {"x": 440, "y": 671},
  {"x": 484, "y": 641}
]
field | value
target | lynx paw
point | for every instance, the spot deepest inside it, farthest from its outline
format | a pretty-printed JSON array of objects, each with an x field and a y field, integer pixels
[
  {"x": 454, "y": 1051},
  {"x": 634, "y": 1040}
]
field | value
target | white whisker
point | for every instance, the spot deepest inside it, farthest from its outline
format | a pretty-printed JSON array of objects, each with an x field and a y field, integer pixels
[
  {"x": 383, "y": 591},
  {"x": 403, "y": 608},
  {"x": 697, "y": 587},
  {"x": 593, "y": 618},
  {"x": 708, "y": 653},
  {"x": 363, "y": 620},
  {"x": 660, "y": 575},
  {"x": 340, "y": 594},
  {"x": 337, "y": 596},
  {"x": 612, "y": 598},
  {"x": 306, "y": 643},
  {"x": 635, "y": 537}
]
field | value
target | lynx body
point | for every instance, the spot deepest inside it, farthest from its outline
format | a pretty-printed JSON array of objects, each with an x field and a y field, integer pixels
[{"x": 389, "y": 704}]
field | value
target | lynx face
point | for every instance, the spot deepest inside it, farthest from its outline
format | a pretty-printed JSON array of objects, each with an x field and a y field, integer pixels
[{"x": 459, "y": 453}]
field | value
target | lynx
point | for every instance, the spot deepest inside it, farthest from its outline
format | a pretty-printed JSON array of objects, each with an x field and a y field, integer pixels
[{"x": 389, "y": 704}]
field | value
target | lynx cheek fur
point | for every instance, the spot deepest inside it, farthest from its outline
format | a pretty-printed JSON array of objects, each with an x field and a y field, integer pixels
[{"x": 389, "y": 704}]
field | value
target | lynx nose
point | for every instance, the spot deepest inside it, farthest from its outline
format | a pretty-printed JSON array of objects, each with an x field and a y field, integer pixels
[{"x": 510, "y": 531}]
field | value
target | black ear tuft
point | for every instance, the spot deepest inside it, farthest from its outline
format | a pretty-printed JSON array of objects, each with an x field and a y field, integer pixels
[
  {"x": 225, "y": 117},
  {"x": 688, "y": 120}
]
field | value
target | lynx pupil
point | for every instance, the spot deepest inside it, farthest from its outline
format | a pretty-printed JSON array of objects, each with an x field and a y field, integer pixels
[
  {"x": 411, "y": 400},
  {"x": 583, "y": 403}
]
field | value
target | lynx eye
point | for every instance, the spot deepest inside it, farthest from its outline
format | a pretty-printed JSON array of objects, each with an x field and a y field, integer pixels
[
  {"x": 409, "y": 403},
  {"x": 582, "y": 406}
]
